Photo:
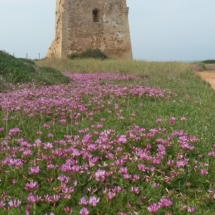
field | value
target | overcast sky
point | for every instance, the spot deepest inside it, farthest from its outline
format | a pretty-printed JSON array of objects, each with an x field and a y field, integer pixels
[{"x": 161, "y": 30}]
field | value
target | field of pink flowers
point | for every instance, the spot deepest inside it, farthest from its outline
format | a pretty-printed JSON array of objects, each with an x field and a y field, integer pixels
[{"x": 97, "y": 146}]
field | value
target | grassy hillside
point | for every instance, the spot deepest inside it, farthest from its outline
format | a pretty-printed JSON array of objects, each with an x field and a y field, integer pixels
[
  {"x": 112, "y": 65},
  {"x": 14, "y": 70},
  {"x": 124, "y": 137}
]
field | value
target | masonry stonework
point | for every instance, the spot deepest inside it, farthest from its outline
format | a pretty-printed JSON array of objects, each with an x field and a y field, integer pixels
[{"x": 91, "y": 24}]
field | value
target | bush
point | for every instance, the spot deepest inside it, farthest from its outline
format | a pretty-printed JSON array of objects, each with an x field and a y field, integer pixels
[
  {"x": 93, "y": 53},
  {"x": 89, "y": 53},
  {"x": 20, "y": 70},
  {"x": 208, "y": 61},
  {"x": 50, "y": 76},
  {"x": 73, "y": 56},
  {"x": 198, "y": 66},
  {"x": 14, "y": 70}
]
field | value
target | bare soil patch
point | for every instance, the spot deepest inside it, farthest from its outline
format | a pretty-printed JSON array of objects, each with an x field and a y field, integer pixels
[{"x": 209, "y": 77}]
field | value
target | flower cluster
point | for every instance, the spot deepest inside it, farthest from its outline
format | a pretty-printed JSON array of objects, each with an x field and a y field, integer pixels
[{"x": 76, "y": 160}]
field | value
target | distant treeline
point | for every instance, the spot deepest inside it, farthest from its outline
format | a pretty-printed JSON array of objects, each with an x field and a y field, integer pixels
[{"x": 208, "y": 61}]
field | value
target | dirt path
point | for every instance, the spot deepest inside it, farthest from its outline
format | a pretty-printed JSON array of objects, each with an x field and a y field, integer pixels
[{"x": 209, "y": 77}]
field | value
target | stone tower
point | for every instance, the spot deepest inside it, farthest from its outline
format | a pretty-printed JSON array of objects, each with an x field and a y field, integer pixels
[{"x": 91, "y": 24}]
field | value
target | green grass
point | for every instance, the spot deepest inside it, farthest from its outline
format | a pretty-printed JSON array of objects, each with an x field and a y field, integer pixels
[
  {"x": 19, "y": 70},
  {"x": 190, "y": 97},
  {"x": 113, "y": 65}
]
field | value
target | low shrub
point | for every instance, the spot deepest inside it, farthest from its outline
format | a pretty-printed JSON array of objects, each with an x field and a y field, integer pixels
[
  {"x": 199, "y": 66},
  {"x": 73, "y": 56},
  {"x": 19, "y": 70},
  {"x": 208, "y": 61},
  {"x": 50, "y": 76},
  {"x": 89, "y": 53}
]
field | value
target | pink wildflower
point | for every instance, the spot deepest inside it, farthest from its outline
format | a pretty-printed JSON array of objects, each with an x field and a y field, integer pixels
[
  {"x": 68, "y": 210},
  {"x": 100, "y": 175},
  {"x": 123, "y": 170},
  {"x": 31, "y": 185},
  {"x": 153, "y": 207},
  {"x": 190, "y": 209},
  {"x": 93, "y": 201},
  {"x": 172, "y": 120},
  {"x": 182, "y": 163},
  {"x": 46, "y": 126},
  {"x": 48, "y": 145},
  {"x": 156, "y": 185},
  {"x": 136, "y": 177},
  {"x": 122, "y": 139},
  {"x": 34, "y": 170},
  {"x": 84, "y": 211},
  {"x": 62, "y": 121},
  {"x": 14, "y": 131},
  {"x": 2, "y": 204},
  {"x": 158, "y": 120},
  {"x": 33, "y": 199},
  {"x": 39, "y": 132},
  {"x": 116, "y": 189},
  {"x": 165, "y": 202},
  {"x": 48, "y": 198},
  {"x": 13, "y": 181},
  {"x": 14, "y": 203},
  {"x": 126, "y": 176},
  {"x": 204, "y": 172},
  {"x": 135, "y": 190},
  {"x": 83, "y": 201},
  {"x": 55, "y": 198},
  {"x": 50, "y": 135},
  {"x": 111, "y": 195}
]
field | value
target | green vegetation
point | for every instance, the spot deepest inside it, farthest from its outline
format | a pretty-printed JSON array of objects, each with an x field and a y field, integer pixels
[
  {"x": 209, "y": 61},
  {"x": 142, "y": 68},
  {"x": 125, "y": 137},
  {"x": 90, "y": 53},
  {"x": 14, "y": 70},
  {"x": 201, "y": 66}
]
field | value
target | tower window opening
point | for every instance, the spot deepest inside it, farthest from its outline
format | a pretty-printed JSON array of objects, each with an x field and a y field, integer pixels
[{"x": 95, "y": 15}]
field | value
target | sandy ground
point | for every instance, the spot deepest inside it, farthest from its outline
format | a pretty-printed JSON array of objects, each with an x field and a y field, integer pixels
[{"x": 209, "y": 77}]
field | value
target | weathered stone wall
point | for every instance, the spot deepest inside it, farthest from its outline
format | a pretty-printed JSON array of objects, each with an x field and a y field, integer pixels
[
  {"x": 55, "y": 48},
  {"x": 82, "y": 24}
]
